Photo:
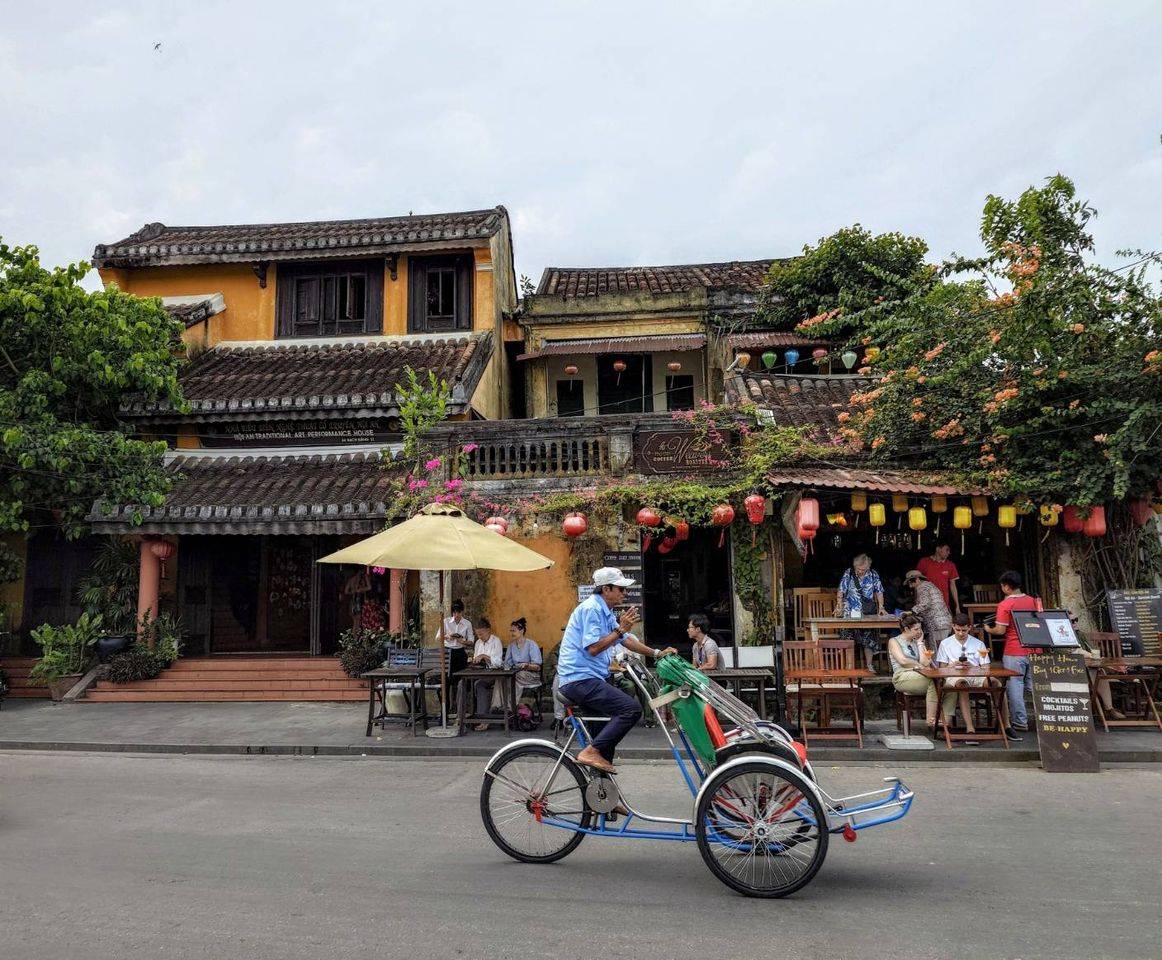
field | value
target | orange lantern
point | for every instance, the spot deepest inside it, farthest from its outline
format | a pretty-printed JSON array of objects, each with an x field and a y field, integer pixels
[
  {"x": 1071, "y": 520},
  {"x": 571, "y": 369},
  {"x": 980, "y": 506},
  {"x": 743, "y": 360},
  {"x": 1095, "y": 523},
  {"x": 674, "y": 366}
]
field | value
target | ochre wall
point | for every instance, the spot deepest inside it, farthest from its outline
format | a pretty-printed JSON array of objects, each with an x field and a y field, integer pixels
[
  {"x": 545, "y": 597},
  {"x": 542, "y": 399}
]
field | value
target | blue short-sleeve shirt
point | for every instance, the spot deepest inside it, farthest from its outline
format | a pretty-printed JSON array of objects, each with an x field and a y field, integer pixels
[{"x": 590, "y": 621}]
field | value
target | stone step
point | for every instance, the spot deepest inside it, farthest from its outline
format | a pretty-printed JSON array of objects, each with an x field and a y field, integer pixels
[
  {"x": 256, "y": 684},
  {"x": 163, "y": 696},
  {"x": 200, "y": 676},
  {"x": 230, "y": 662}
]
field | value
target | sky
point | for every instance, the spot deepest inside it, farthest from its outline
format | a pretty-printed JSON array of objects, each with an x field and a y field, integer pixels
[{"x": 621, "y": 133}]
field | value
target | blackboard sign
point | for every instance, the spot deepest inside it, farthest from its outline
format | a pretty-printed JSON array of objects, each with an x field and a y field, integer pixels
[
  {"x": 1044, "y": 628},
  {"x": 1061, "y": 704},
  {"x": 1136, "y": 617},
  {"x": 629, "y": 563}
]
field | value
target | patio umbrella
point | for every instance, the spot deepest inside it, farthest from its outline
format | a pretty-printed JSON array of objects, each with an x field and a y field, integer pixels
[{"x": 440, "y": 537}]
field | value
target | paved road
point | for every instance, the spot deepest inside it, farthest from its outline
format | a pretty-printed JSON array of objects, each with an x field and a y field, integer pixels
[{"x": 126, "y": 856}]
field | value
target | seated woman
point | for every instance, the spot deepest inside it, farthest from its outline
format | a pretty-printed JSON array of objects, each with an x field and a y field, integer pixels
[
  {"x": 961, "y": 649},
  {"x": 1092, "y": 661},
  {"x": 524, "y": 655},
  {"x": 908, "y": 656},
  {"x": 487, "y": 652},
  {"x": 704, "y": 654}
]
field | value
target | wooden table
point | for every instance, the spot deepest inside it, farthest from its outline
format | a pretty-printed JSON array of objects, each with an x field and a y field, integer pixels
[
  {"x": 838, "y": 678},
  {"x": 378, "y": 680},
  {"x": 469, "y": 676},
  {"x": 994, "y": 687},
  {"x": 817, "y": 624},
  {"x": 1146, "y": 669},
  {"x": 975, "y": 609},
  {"x": 735, "y": 676}
]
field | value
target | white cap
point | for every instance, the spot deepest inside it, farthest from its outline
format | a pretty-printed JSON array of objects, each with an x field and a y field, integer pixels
[{"x": 611, "y": 577}]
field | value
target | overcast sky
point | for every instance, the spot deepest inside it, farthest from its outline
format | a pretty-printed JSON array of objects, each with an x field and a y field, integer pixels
[{"x": 615, "y": 133}]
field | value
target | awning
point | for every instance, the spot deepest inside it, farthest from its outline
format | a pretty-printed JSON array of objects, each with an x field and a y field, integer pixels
[
  {"x": 879, "y": 481},
  {"x": 658, "y": 344},
  {"x": 308, "y": 493},
  {"x": 772, "y": 338}
]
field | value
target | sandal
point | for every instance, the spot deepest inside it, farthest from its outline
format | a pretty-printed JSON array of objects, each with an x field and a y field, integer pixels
[{"x": 481, "y": 727}]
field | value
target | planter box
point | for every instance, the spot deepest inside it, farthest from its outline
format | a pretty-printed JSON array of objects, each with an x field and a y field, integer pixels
[{"x": 62, "y": 685}]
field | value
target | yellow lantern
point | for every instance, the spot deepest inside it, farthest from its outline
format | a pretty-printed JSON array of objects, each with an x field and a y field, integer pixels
[
  {"x": 980, "y": 506},
  {"x": 1006, "y": 519},
  {"x": 917, "y": 518},
  {"x": 962, "y": 520},
  {"x": 939, "y": 504},
  {"x": 858, "y": 501},
  {"x": 1048, "y": 516},
  {"x": 899, "y": 502},
  {"x": 877, "y": 516}
]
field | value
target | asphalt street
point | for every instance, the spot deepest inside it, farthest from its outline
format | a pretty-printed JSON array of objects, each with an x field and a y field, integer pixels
[{"x": 125, "y": 856}]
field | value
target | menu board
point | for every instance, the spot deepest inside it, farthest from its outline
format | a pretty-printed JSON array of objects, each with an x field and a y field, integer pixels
[
  {"x": 1136, "y": 617},
  {"x": 629, "y": 563},
  {"x": 1044, "y": 628},
  {"x": 1061, "y": 704}
]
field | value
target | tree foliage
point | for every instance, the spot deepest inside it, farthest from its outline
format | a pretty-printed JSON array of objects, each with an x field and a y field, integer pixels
[
  {"x": 1031, "y": 370},
  {"x": 842, "y": 275},
  {"x": 69, "y": 358}
]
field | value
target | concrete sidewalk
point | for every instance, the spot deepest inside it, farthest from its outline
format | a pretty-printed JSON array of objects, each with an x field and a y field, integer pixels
[{"x": 336, "y": 729}]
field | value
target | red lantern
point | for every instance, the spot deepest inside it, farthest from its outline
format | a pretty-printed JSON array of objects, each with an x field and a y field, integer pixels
[
  {"x": 722, "y": 516},
  {"x": 619, "y": 366},
  {"x": 571, "y": 369},
  {"x": 674, "y": 366},
  {"x": 756, "y": 507},
  {"x": 667, "y": 544},
  {"x": 162, "y": 549},
  {"x": 574, "y": 525},
  {"x": 1141, "y": 511},
  {"x": 809, "y": 513},
  {"x": 819, "y": 354},
  {"x": 500, "y": 521},
  {"x": 681, "y": 531},
  {"x": 648, "y": 517},
  {"x": 1095, "y": 523},
  {"x": 496, "y": 528},
  {"x": 1071, "y": 521}
]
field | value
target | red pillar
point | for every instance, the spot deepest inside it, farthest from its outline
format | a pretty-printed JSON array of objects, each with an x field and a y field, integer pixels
[
  {"x": 395, "y": 602},
  {"x": 149, "y": 578}
]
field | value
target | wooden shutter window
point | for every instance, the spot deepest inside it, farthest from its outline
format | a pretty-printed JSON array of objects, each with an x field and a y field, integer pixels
[
  {"x": 330, "y": 299},
  {"x": 440, "y": 294}
]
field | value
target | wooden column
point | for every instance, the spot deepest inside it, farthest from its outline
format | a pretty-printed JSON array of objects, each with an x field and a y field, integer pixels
[{"x": 395, "y": 601}]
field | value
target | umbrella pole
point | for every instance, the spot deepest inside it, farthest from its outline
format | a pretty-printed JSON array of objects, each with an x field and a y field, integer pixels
[{"x": 443, "y": 730}]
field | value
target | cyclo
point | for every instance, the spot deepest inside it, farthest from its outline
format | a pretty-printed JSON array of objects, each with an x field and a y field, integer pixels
[{"x": 760, "y": 818}]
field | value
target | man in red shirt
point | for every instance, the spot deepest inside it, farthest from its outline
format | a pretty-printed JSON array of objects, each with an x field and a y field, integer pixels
[
  {"x": 1014, "y": 657},
  {"x": 941, "y": 571}
]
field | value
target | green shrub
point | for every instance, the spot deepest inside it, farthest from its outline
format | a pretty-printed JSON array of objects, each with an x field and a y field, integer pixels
[
  {"x": 65, "y": 650},
  {"x": 136, "y": 663}
]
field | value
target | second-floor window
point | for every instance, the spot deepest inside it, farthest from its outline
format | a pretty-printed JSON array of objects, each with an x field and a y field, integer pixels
[
  {"x": 440, "y": 299},
  {"x": 330, "y": 299}
]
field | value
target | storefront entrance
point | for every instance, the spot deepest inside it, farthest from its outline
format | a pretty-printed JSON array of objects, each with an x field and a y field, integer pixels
[{"x": 693, "y": 578}]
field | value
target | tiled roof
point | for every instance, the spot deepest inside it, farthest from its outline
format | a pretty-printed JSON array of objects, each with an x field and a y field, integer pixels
[
  {"x": 306, "y": 377},
  {"x": 192, "y": 310},
  {"x": 797, "y": 401},
  {"x": 880, "y": 481},
  {"x": 650, "y": 344},
  {"x": 313, "y": 493},
  {"x": 156, "y": 244},
  {"x": 761, "y": 339},
  {"x": 571, "y": 282}
]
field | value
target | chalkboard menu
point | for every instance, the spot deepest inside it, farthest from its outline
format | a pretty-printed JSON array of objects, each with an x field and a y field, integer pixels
[
  {"x": 1061, "y": 704},
  {"x": 628, "y": 563},
  {"x": 1136, "y": 617}
]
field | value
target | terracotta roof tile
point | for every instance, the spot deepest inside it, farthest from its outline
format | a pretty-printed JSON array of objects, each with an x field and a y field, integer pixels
[
  {"x": 572, "y": 282},
  {"x": 797, "y": 401},
  {"x": 157, "y": 244},
  {"x": 295, "y": 377},
  {"x": 880, "y": 481}
]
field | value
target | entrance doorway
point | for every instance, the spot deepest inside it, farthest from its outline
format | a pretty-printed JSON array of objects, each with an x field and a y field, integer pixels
[
  {"x": 693, "y": 578},
  {"x": 625, "y": 391}
]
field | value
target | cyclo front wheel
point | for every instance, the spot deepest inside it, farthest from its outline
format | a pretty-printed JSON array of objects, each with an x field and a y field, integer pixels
[
  {"x": 761, "y": 830},
  {"x": 532, "y": 802}
]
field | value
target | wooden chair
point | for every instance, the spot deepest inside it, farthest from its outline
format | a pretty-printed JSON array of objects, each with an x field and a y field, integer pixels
[
  {"x": 845, "y": 694},
  {"x": 1130, "y": 690},
  {"x": 801, "y": 655},
  {"x": 986, "y": 593},
  {"x": 811, "y": 602}
]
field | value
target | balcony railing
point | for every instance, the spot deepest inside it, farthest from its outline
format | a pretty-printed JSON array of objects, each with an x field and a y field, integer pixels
[{"x": 547, "y": 457}]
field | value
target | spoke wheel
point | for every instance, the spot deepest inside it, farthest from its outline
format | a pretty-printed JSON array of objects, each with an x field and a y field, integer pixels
[
  {"x": 517, "y": 799},
  {"x": 761, "y": 830}
]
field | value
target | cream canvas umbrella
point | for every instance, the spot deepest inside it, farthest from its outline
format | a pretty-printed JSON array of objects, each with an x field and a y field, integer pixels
[{"x": 441, "y": 538}]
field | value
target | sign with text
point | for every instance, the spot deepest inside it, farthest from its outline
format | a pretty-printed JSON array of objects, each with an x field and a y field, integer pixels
[
  {"x": 1061, "y": 704},
  {"x": 1044, "y": 628},
  {"x": 629, "y": 563},
  {"x": 678, "y": 451},
  {"x": 300, "y": 433},
  {"x": 1136, "y": 617}
]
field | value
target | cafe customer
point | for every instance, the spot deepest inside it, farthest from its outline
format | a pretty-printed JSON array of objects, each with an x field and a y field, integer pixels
[
  {"x": 1015, "y": 657},
  {"x": 488, "y": 652},
  {"x": 705, "y": 654},
  {"x": 861, "y": 594},
  {"x": 909, "y": 655},
  {"x": 961, "y": 651},
  {"x": 928, "y": 604}
]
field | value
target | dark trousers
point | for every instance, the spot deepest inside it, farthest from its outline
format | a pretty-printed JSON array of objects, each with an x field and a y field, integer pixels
[
  {"x": 457, "y": 660},
  {"x": 602, "y": 698}
]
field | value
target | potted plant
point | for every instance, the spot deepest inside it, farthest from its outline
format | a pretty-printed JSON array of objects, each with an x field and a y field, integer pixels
[
  {"x": 65, "y": 653},
  {"x": 110, "y": 589},
  {"x": 138, "y": 660}
]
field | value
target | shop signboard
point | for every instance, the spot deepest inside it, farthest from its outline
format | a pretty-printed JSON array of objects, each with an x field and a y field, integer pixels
[
  {"x": 1062, "y": 707},
  {"x": 300, "y": 433},
  {"x": 1136, "y": 617},
  {"x": 678, "y": 451}
]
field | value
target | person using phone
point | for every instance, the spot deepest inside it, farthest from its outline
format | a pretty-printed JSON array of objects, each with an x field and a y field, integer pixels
[
  {"x": 583, "y": 664},
  {"x": 961, "y": 650}
]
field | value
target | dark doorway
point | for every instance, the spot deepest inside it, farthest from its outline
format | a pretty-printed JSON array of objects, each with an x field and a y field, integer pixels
[
  {"x": 53, "y": 569},
  {"x": 626, "y": 391},
  {"x": 693, "y": 578}
]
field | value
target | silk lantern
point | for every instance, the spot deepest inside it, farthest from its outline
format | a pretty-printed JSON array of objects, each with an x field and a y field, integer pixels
[
  {"x": 849, "y": 358},
  {"x": 917, "y": 521},
  {"x": 756, "y": 508},
  {"x": 571, "y": 369},
  {"x": 1048, "y": 515},
  {"x": 743, "y": 360},
  {"x": 674, "y": 366},
  {"x": 1006, "y": 519},
  {"x": 722, "y": 516},
  {"x": 619, "y": 366},
  {"x": 877, "y": 516},
  {"x": 939, "y": 505},
  {"x": 1095, "y": 523},
  {"x": 858, "y": 501},
  {"x": 899, "y": 507},
  {"x": 1071, "y": 520},
  {"x": 791, "y": 356},
  {"x": 648, "y": 517},
  {"x": 1140, "y": 511},
  {"x": 819, "y": 354},
  {"x": 574, "y": 525},
  {"x": 962, "y": 520}
]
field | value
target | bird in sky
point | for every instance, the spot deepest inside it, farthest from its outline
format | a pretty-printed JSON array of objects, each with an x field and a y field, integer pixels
[{"x": 157, "y": 46}]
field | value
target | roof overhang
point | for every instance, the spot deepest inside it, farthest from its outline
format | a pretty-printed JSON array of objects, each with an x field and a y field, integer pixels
[
  {"x": 653, "y": 344},
  {"x": 870, "y": 479}
]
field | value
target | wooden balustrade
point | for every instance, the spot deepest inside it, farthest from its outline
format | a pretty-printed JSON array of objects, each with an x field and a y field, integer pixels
[{"x": 539, "y": 457}]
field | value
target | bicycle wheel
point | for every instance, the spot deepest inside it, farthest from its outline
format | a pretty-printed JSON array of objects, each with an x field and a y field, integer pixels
[
  {"x": 528, "y": 815},
  {"x": 761, "y": 830}
]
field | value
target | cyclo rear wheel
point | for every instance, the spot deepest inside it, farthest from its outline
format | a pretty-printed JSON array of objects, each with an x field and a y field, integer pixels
[
  {"x": 517, "y": 796},
  {"x": 761, "y": 830}
]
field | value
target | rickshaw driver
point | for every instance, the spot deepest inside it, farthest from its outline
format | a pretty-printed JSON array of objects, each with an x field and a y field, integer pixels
[{"x": 583, "y": 663}]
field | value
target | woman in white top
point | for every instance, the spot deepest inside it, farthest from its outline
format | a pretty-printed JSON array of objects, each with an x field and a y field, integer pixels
[
  {"x": 961, "y": 650},
  {"x": 909, "y": 656},
  {"x": 488, "y": 652}
]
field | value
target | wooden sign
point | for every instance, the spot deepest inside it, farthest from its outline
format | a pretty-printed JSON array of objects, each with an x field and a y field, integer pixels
[
  {"x": 300, "y": 433},
  {"x": 1061, "y": 704},
  {"x": 1136, "y": 617},
  {"x": 677, "y": 451}
]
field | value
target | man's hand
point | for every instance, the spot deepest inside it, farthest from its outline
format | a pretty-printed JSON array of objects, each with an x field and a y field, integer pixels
[
  {"x": 628, "y": 618},
  {"x": 669, "y": 651}
]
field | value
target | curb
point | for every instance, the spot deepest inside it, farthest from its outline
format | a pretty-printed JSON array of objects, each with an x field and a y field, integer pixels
[{"x": 420, "y": 751}]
